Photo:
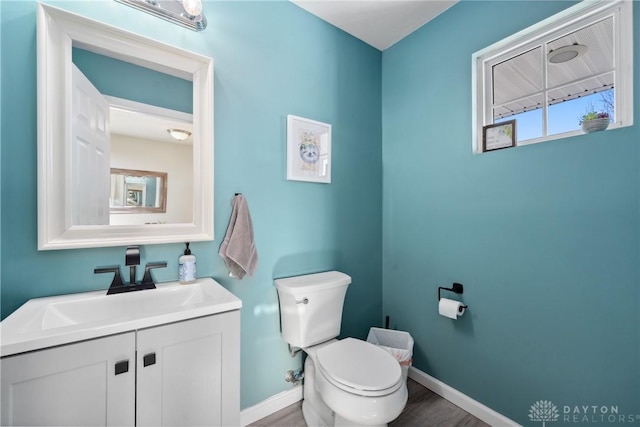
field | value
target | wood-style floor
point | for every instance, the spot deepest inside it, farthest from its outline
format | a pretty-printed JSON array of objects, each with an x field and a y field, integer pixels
[{"x": 424, "y": 409}]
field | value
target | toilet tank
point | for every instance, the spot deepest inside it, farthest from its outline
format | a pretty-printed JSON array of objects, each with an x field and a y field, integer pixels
[{"x": 311, "y": 307}]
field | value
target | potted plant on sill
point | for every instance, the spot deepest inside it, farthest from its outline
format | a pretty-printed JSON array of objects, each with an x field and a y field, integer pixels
[{"x": 593, "y": 121}]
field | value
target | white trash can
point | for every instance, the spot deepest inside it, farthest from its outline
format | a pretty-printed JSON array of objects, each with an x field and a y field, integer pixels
[{"x": 398, "y": 343}]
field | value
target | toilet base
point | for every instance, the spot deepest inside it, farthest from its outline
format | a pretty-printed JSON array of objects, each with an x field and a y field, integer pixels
[
  {"x": 343, "y": 422},
  {"x": 315, "y": 411},
  {"x": 312, "y": 418}
]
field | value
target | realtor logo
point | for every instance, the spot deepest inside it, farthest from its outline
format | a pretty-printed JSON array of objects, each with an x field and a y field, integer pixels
[{"x": 544, "y": 410}]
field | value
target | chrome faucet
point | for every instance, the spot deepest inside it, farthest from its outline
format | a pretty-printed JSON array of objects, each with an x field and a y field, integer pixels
[{"x": 131, "y": 260}]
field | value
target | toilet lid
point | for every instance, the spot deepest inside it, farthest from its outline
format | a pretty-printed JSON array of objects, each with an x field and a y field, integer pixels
[{"x": 359, "y": 365}]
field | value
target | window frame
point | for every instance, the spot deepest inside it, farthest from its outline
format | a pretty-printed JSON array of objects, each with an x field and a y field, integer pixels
[{"x": 575, "y": 17}]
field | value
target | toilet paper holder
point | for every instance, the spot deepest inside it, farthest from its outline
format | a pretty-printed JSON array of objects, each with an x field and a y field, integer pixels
[{"x": 455, "y": 288}]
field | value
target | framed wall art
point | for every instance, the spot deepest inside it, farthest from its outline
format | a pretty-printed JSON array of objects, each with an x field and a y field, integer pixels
[
  {"x": 308, "y": 150},
  {"x": 499, "y": 135}
]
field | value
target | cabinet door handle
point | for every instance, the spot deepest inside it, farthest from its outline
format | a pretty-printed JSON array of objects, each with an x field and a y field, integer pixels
[
  {"x": 122, "y": 367},
  {"x": 149, "y": 359}
]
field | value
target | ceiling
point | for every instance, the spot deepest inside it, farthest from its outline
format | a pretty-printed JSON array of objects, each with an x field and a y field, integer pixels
[
  {"x": 379, "y": 23},
  {"x": 148, "y": 126}
]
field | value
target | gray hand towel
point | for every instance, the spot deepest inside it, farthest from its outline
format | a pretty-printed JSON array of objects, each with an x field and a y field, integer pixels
[{"x": 238, "y": 249}]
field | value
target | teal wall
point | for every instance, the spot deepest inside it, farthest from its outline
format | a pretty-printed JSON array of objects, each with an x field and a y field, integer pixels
[
  {"x": 271, "y": 59},
  {"x": 545, "y": 238}
]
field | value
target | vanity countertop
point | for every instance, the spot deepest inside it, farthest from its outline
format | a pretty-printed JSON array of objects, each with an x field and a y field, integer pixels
[{"x": 52, "y": 321}]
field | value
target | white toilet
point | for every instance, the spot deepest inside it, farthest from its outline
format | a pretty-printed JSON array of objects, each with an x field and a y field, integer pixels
[{"x": 346, "y": 382}]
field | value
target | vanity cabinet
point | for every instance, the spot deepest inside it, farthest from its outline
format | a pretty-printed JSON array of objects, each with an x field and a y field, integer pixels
[
  {"x": 176, "y": 374},
  {"x": 192, "y": 373},
  {"x": 70, "y": 385}
]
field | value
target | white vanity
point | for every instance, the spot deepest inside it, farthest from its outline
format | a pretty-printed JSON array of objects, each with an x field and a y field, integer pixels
[{"x": 166, "y": 356}]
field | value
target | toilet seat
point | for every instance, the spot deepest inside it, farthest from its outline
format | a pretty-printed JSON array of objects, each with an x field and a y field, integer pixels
[{"x": 359, "y": 367}]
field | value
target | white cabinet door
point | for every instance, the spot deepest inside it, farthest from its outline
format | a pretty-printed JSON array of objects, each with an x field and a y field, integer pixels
[
  {"x": 189, "y": 373},
  {"x": 71, "y": 385}
]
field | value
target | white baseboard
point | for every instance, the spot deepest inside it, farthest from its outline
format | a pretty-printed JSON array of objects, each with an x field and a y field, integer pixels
[
  {"x": 460, "y": 399},
  {"x": 270, "y": 405}
]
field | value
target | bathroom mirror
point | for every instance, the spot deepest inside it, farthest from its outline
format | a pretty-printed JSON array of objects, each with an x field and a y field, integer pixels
[{"x": 65, "y": 156}]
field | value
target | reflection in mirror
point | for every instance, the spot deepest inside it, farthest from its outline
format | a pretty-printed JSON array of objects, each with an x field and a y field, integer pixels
[
  {"x": 125, "y": 80},
  {"x": 154, "y": 82},
  {"x": 137, "y": 136},
  {"x": 137, "y": 192},
  {"x": 140, "y": 141}
]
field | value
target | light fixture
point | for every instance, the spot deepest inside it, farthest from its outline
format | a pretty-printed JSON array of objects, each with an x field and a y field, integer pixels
[
  {"x": 187, "y": 13},
  {"x": 179, "y": 134},
  {"x": 566, "y": 53},
  {"x": 192, "y": 7}
]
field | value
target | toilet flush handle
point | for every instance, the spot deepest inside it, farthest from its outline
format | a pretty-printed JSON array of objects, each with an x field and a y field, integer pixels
[{"x": 303, "y": 301}]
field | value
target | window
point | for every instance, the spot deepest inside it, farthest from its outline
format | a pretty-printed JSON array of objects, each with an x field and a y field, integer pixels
[{"x": 547, "y": 76}]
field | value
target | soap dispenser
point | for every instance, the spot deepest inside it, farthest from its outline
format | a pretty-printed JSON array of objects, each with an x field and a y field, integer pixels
[{"x": 187, "y": 267}]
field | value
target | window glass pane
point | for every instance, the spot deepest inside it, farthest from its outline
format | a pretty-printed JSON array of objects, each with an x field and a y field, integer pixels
[
  {"x": 517, "y": 78},
  {"x": 528, "y": 125},
  {"x": 593, "y": 46},
  {"x": 580, "y": 89},
  {"x": 565, "y": 116},
  {"x": 528, "y": 115}
]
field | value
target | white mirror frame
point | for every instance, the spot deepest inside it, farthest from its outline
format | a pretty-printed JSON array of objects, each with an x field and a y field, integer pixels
[{"x": 57, "y": 31}]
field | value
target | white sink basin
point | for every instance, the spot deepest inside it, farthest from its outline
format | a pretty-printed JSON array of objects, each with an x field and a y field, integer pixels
[
  {"x": 50, "y": 321},
  {"x": 101, "y": 307}
]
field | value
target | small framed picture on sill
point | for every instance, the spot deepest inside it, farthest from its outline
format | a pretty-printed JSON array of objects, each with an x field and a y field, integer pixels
[{"x": 498, "y": 136}]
